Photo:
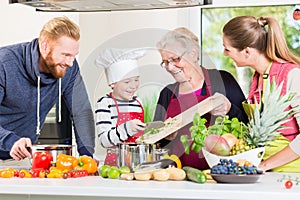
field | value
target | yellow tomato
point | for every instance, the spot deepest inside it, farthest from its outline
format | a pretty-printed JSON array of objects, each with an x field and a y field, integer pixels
[
  {"x": 55, "y": 173},
  {"x": 7, "y": 173},
  {"x": 42, "y": 174}
]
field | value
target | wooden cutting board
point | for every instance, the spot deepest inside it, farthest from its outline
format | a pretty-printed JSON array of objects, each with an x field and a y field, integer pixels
[{"x": 174, "y": 124}]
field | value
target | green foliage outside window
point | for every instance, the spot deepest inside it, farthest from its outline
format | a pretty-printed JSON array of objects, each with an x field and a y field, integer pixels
[{"x": 213, "y": 20}]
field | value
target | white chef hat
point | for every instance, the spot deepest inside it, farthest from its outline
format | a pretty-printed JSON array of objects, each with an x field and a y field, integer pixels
[{"x": 120, "y": 64}]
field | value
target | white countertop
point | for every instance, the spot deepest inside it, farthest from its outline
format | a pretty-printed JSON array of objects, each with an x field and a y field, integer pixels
[{"x": 267, "y": 187}]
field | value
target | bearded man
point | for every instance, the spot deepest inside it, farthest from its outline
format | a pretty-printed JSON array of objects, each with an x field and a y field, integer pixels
[{"x": 34, "y": 76}]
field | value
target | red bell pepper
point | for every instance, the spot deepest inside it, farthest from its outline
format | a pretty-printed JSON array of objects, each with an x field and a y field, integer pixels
[{"x": 42, "y": 160}]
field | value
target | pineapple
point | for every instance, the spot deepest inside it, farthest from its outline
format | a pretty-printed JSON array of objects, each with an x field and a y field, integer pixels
[{"x": 266, "y": 120}]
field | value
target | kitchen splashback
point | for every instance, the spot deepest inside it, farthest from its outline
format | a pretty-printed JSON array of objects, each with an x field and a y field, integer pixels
[{"x": 107, "y": 5}]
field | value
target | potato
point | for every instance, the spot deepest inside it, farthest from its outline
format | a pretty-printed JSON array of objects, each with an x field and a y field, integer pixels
[
  {"x": 161, "y": 175},
  {"x": 142, "y": 176},
  {"x": 127, "y": 177},
  {"x": 176, "y": 173}
]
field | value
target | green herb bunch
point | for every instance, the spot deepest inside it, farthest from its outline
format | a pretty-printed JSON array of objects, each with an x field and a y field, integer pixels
[
  {"x": 225, "y": 125},
  {"x": 199, "y": 131}
]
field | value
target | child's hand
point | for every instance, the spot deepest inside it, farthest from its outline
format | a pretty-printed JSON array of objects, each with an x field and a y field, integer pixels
[{"x": 136, "y": 125}]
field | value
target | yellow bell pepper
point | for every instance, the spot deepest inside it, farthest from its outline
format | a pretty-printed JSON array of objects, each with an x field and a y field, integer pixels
[
  {"x": 87, "y": 163},
  {"x": 66, "y": 162}
]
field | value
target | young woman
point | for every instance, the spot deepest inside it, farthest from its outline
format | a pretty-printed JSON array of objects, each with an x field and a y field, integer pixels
[{"x": 260, "y": 44}]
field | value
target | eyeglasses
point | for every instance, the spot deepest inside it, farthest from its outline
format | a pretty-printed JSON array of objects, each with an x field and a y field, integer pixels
[{"x": 172, "y": 61}]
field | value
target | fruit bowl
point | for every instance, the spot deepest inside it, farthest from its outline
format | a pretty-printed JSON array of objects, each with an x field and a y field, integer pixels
[
  {"x": 234, "y": 178},
  {"x": 254, "y": 156}
]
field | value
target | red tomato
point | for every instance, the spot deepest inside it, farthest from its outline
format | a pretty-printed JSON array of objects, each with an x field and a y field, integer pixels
[
  {"x": 22, "y": 174},
  {"x": 76, "y": 174},
  {"x": 296, "y": 14},
  {"x": 36, "y": 172},
  {"x": 42, "y": 160},
  {"x": 82, "y": 173},
  {"x": 16, "y": 173},
  {"x": 85, "y": 173},
  {"x": 71, "y": 174},
  {"x": 288, "y": 184},
  {"x": 65, "y": 175}
]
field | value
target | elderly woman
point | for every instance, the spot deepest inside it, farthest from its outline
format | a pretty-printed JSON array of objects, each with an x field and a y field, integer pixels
[{"x": 179, "y": 50}]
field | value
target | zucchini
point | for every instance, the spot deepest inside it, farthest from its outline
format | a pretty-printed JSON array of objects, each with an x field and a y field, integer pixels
[{"x": 195, "y": 175}]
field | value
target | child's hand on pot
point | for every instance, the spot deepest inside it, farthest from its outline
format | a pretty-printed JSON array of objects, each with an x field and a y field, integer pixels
[{"x": 136, "y": 125}]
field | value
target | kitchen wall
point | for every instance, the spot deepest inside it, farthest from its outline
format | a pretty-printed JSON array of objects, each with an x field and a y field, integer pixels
[
  {"x": 112, "y": 29},
  {"x": 130, "y": 29},
  {"x": 21, "y": 23},
  {"x": 127, "y": 29}
]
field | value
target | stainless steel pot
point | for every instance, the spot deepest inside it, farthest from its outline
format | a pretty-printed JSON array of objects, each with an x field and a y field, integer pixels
[
  {"x": 54, "y": 150},
  {"x": 132, "y": 154}
]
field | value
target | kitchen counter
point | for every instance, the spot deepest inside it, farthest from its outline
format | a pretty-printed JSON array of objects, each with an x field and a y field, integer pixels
[{"x": 93, "y": 187}]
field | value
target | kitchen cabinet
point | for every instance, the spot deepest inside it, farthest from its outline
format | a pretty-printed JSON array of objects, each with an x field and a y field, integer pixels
[{"x": 95, "y": 187}]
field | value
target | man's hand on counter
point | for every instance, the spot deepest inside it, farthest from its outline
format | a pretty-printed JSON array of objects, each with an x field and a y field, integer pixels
[{"x": 20, "y": 149}]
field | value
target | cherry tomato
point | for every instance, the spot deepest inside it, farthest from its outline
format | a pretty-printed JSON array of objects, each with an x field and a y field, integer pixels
[
  {"x": 85, "y": 173},
  {"x": 16, "y": 173},
  {"x": 76, "y": 174},
  {"x": 51, "y": 175},
  {"x": 26, "y": 172},
  {"x": 70, "y": 174},
  {"x": 42, "y": 174},
  {"x": 22, "y": 174},
  {"x": 288, "y": 184},
  {"x": 296, "y": 14},
  {"x": 65, "y": 175},
  {"x": 34, "y": 174},
  {"x": 7, "y": 173}
]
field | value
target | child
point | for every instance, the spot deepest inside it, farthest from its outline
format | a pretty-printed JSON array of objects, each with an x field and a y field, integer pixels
[{"x": 120, "y": 114}]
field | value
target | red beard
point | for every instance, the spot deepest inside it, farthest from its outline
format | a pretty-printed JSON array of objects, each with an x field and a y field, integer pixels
[{"x": 55, "y": 69}]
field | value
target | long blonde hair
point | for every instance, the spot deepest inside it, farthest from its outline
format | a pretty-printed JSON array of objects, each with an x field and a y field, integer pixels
[
  {"x": 58, "y": 27},
  {"x": 263, "y": 34}
]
